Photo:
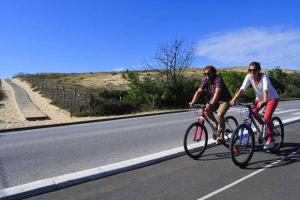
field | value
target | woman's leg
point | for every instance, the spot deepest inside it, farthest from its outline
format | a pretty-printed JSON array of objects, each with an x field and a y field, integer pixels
[
  {"x": 256, "y": 115},
  {"x": 270, "y": 108}
]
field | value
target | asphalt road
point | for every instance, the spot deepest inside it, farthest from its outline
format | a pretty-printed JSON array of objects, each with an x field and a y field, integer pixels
[
  {"x": 214, "y": 174},
  {"x": 31, "y": 155}
]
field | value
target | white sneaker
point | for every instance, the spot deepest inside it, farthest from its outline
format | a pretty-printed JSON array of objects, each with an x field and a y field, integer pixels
[{"x": 268, "y": 145}]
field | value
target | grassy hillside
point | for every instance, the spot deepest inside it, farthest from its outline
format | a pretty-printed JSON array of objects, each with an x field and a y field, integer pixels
[
  {"x": 110, "y": 80},
  {"x": 114, "y": 80}
]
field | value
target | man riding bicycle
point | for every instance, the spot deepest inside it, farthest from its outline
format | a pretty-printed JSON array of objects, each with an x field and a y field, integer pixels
[{"x": 219, "y": 99}]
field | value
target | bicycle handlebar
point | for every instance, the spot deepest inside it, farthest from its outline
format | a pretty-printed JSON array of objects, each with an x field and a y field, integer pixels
[
  {"x": 249, "y": 105},
  {"x": 198, "y": 106}
]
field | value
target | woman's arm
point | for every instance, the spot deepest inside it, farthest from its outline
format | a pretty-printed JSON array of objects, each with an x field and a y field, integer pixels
[
  {"x": 236, "y": 96},
  {"x": 265, "y": 99}
]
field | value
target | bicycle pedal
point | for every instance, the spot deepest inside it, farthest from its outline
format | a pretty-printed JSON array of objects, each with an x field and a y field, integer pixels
[{"x": 235, "y": 150}]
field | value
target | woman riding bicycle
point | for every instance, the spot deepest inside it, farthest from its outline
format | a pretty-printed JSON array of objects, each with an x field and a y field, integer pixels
[
  {"x": 265, "y": 95},
  {"x": 219, "y": 98}
]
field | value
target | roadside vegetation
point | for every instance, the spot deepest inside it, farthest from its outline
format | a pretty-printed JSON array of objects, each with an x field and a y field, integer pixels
[
  {"x": 167, "y": 83},
  {"x": 148, "y": 93}
]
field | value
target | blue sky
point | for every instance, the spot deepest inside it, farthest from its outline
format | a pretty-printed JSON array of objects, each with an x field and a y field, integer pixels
[{"x": 96, "y": 36}]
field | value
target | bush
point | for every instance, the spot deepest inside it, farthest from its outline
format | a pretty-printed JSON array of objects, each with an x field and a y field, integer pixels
[
  {"x": 2, "y": 95},
  {"x": 117, "y": 108}
]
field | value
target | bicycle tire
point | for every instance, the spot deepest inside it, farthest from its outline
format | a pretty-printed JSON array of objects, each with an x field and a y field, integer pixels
[
  {"x": 278, "y": 134},
  {"x": 230, "y": 125},
  {"x": 242, "y": 145},
  {"x": 194, "y": 148}
]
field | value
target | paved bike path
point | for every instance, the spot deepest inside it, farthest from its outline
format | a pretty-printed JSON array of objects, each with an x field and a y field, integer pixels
[
  {"x": 26, "y": 106},
  {"x": 213, "y": 176},
  {"x": 60, "y": 182}
]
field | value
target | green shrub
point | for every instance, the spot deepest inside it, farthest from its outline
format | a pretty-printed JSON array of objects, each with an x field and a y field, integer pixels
[{"x": 2, "y": 95}]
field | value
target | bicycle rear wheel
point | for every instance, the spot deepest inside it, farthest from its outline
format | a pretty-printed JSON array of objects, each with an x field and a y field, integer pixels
[
  {"x": 278, "y": 134},
  {"x": 195, "y": 140},
  {"x": 242, "y": 145},
  {"x": 230, "y": 125}
]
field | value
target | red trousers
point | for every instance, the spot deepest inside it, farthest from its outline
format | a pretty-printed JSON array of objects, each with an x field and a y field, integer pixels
[{"x": 270, "y": 108}]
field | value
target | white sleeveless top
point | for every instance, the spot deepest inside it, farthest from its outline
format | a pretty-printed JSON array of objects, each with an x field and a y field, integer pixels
[{"x": 264, "y": 84}]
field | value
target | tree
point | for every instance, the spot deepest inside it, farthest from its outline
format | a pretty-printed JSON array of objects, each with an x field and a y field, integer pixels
[{"x": 170, "y": 62}]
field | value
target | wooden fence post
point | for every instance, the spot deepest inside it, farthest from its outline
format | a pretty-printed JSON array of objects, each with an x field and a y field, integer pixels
[
  {"x": 73, "y": 102},
  {"x": 56, "y": 94},
  {"x": 90, "y": 101},
  {"x": 63, "y": 94},
  {"x": 153, "y": 102}
]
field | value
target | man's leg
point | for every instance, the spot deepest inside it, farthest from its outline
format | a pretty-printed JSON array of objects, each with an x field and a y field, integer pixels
[
  {"x": 211, "y": 116},
  {"x": 223, "y": 108}
]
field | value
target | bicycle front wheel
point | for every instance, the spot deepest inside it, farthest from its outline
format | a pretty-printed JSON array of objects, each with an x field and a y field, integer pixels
[
  {"x": 242, "y": 145},
  {"x": 195, "y": 140},
  {"x": 278, "y": 134},
  {"x": 230, "y": 125}
]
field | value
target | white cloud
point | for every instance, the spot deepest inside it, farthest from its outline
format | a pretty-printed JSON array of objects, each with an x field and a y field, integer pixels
[
  {"x": 272, "y": 47},
  {"x": 119, "y": 69}
]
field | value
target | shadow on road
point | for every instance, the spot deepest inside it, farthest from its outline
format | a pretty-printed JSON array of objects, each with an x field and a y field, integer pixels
[
  {"x": 214, "y": 156},
  {"x": 285, "y": 154}
]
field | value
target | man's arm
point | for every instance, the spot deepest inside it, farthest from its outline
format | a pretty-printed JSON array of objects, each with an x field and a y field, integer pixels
[
  {"x": 216, "y": 96},
  {"x": 195, "y": 97}
]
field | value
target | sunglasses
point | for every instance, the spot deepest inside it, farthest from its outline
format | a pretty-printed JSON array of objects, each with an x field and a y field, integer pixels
[
  {"x": 207, "y": 74},
  {"x": 252, "y": 70}
]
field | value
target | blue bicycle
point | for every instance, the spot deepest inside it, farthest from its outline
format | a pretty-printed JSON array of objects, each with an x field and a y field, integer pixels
[{"x": 243, "y": 139}]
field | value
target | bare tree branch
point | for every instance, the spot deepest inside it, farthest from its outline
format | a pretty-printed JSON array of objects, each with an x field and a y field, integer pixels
[{"x": 172, "y": 60}]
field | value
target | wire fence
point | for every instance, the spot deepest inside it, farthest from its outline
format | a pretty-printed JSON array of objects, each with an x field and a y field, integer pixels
[{"x": 76, "y": 100}]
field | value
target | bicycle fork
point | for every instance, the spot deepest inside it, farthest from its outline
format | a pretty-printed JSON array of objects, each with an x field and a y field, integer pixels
[
  {"x": 242, "y": 135},
  {"x": 201, "y": 122}
]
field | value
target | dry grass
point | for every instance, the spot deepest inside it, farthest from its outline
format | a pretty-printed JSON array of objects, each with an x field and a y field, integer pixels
[{"x": 114, "y": 80}]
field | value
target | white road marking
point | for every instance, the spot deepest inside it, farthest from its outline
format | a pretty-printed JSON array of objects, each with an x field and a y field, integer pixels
[
  {"x": 286, "y": 111},
  {"x": 248, "y": 176},
  {"x": 245, "y": 109}
]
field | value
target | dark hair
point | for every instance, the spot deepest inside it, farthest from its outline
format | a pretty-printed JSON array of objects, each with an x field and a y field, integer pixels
[
  {"x": 211, "y": 68},
  {"x": 256, "y": 65}
]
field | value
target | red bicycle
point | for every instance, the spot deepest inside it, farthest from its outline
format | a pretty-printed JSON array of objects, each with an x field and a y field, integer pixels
[{"x": 196, "y": 137}]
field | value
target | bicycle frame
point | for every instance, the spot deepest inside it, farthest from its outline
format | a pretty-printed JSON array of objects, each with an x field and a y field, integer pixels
[
  {"x": 249, "y": 121},
  {"x": 201, "y": 119}
]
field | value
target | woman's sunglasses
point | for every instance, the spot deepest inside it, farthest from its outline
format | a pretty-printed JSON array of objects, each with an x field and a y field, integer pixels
[
  {"x": 207, "y": 74},
  {"x": 252, "y": 70}
]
